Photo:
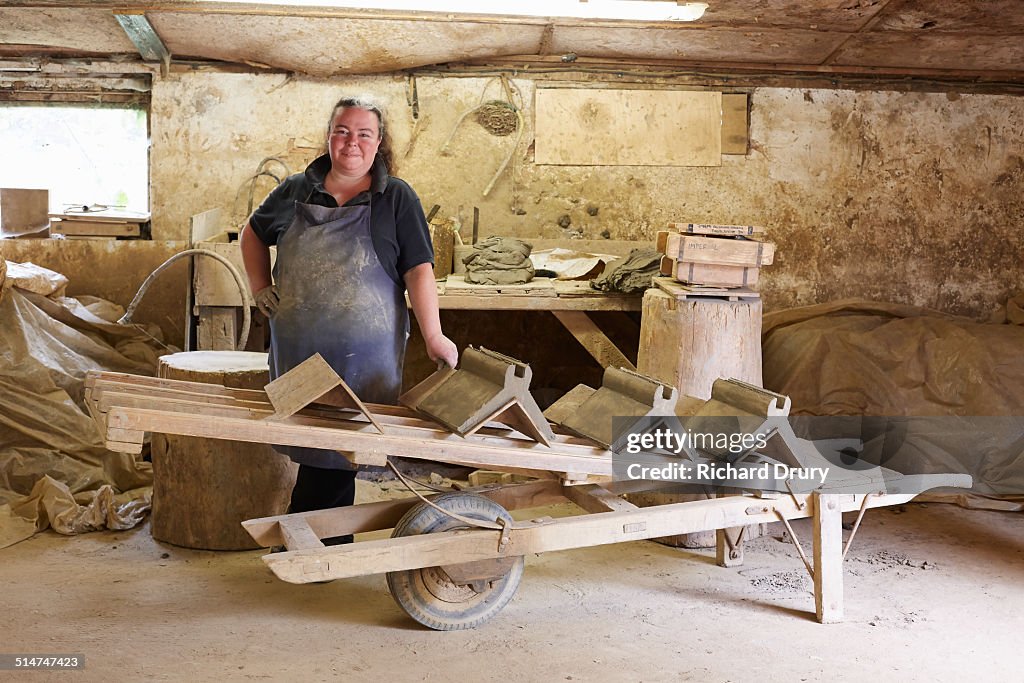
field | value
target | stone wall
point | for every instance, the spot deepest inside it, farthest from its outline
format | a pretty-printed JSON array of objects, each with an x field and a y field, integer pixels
[{"x": 906, "y": 197}]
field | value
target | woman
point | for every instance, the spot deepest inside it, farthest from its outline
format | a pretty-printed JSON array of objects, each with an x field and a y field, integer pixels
[{"x": 350, "y": 240}]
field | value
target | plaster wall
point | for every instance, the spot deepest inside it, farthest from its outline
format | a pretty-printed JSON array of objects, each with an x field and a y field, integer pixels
[{"x": 908, "y": 197}]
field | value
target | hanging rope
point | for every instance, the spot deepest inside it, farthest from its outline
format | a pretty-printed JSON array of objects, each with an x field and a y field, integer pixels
[{"x": 497, "y": 118}]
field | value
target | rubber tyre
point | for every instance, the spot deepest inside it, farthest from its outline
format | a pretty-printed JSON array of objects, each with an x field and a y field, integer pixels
[{"x": 427, "y": 595}]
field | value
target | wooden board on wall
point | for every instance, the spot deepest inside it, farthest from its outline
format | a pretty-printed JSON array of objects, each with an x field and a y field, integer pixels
[
  {"x": 23, "y": 211},
  {"x": 214, "y": 285},
  {"x": 734, "y": 123},
  {"x": 598, "y": 127}
]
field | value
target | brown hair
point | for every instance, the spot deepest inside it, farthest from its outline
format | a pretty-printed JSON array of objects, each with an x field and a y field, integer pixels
[{"x": 366, "y": 102}]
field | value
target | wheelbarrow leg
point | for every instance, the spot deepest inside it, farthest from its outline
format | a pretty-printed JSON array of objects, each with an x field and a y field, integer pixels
[
  {"x": 828, "y": 558},
  {"x": 729, "y": 546}
]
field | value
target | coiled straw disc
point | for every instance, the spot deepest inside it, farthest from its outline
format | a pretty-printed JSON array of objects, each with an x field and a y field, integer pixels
[{"x": 498, "y": 118}]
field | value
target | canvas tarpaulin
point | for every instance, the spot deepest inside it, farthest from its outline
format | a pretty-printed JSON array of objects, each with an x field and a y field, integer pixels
[
  {"x": 862, "y": 358},
  {"x": 54, "y": 469}
]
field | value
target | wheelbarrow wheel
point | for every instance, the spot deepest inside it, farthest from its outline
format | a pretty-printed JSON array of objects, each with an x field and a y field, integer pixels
[{"x": 430, "y": 595}]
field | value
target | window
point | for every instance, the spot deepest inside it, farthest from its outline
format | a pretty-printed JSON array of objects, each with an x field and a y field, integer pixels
[{"x": 84, "y": 155}]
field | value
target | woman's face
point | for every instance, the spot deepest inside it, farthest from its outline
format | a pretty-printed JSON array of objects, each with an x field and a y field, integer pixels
[{"x": 353, "y": 141}]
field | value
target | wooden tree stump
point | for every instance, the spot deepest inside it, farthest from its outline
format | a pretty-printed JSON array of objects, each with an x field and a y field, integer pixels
[
  {"x": 689, "y": 344},
  {"x": 204, "y": 488}
]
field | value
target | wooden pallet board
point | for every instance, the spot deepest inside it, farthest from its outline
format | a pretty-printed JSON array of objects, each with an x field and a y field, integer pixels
[
  {"x": 715, "y": 229},
  {"x": 683, "y": 292},
  {"x": 541, "y": 286}
]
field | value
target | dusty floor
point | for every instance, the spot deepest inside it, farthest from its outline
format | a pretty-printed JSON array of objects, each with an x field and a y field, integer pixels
[{"x": 933, "y": 593}]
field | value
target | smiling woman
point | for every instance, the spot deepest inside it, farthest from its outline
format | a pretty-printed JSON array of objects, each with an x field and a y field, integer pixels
[{"x": 351, "y": 240}]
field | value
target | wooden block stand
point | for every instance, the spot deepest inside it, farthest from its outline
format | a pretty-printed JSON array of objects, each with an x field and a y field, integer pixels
[
  {"x": 689, "y": 344},
  {"x": 204, "y": 488}
]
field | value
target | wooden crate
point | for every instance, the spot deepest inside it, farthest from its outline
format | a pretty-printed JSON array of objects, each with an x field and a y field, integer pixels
[
  {"x": 727, "y": 251},
  {"x": 710, "y": 273}
]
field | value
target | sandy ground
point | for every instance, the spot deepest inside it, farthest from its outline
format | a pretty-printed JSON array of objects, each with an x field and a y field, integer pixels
[{"x": 933, "y": 593}]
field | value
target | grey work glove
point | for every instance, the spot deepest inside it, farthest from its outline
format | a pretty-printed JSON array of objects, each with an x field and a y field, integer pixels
[{"x": 267, "y": 300}]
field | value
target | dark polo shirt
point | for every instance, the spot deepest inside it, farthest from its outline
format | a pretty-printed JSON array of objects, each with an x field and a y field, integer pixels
[{"x": 398, "y": 227}]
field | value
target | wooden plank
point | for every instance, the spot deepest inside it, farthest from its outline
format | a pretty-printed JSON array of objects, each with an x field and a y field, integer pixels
[
  {"x": 87, "y": 228},
  {"x": 595, "y": 499},
  {"x": 715, "y": 229},
  {"x": 430, "y": 444},
  {"x": 570, "y": 297},
  {"x": 587, "y": 246},
  {"x": 125, "y": 435},
  {"x": 686, "y": 292},
  {"x": 122, "y": 447},
  {"x": 296, "y": 534},
  {"x": 587, "y": 127},
  {"x": 367, "y": 517},
  {"x": 541, "y": 286},
  {"x": 105, "y": 216},
  {"x": 734, "y": 123},
  {"x": 412, "y": 552},
  {"x": 218, "y": 328},
  {"x": 204, "y": 225},
  {"x": 590, "y": 336},
  {"x": 121, "y": 381},
  {"x": 828, "y": 558},
  {"x": 110, "y": 400},
  {"x": 212, "y": 281},
  {"x": 146, "y": 40}
]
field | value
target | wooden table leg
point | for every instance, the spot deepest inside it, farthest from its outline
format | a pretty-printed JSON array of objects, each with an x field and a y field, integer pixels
[{"x": 593, "y": 339}]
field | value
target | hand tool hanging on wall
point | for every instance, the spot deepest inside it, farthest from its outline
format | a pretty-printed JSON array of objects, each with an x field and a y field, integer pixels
[
  {"x": 261, "y": 171},
  {"x": 497, "y": 117}
]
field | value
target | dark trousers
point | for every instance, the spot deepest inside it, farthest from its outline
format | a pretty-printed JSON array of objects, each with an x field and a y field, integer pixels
[{"x": 318, "y": 489}]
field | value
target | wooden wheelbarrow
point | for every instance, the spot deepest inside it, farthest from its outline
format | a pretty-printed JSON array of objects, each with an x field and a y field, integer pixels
[{"x": 455, "y": 560}]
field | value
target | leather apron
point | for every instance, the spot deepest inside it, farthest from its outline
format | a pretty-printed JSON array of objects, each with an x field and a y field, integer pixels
[{"x": 337, "y": 300}]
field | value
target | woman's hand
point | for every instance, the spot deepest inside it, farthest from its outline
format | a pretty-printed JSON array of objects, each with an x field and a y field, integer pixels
[
  {"x": 423, "y": 294},
  {"x": 441, "y": 348}
]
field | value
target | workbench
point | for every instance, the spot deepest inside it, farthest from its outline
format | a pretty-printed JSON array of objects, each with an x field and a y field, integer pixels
[
  {"x": 216, "y": 304},
  {"x": 219, "y": 318}
]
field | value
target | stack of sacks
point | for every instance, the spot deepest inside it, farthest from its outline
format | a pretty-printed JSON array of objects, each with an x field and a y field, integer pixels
[{"x": 499, "y": 261}]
